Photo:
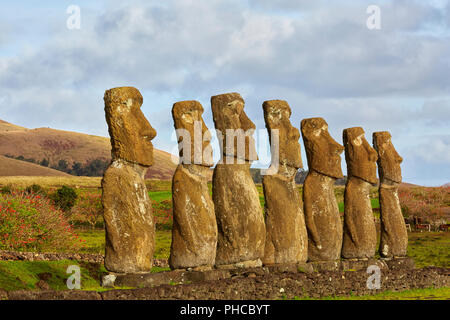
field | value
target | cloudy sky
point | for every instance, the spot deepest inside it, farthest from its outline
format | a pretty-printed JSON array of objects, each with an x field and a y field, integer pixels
[{"x": 320, "y": 56}]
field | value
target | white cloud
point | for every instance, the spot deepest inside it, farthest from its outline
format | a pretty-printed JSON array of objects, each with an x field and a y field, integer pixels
[{"x": 322, "y": 59}]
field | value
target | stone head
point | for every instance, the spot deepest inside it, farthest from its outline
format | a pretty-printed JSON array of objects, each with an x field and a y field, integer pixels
[
  {"x": 322, "y": 151},
  {"x": 187, "y": 115},
  {"x": 233, "y": 125},
  {"x": 360, "y": 156},
  {"x": 276, "y": 116},
  {"x": 388, "y": 159},
  {"x": 130, "y": 131}
]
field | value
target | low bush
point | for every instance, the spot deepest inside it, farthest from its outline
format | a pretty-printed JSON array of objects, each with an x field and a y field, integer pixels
[
  {"x": 65, "y": 198},
  {"x": 36, "y": 189},
  {"x": 30, "y": 222},
  {"x": 88, "y": 210},
  {"x": 163, "y": 214}
]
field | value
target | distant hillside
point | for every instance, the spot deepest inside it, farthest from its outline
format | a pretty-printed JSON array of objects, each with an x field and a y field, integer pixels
[
  {"x": 12, "y": 167},
  {"x": 55, "y": 145}
]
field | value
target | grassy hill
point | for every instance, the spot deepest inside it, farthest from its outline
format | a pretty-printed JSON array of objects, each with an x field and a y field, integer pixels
[
  {"x": 13, "y": 167},
  {"x": 56, "y": 145}
]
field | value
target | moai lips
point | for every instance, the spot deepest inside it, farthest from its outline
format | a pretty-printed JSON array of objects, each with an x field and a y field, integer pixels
[
  {"x": 394, "y": 237},
  {"x": 130, "y": 230},
  {"x": 241, "y": 229},
  {"x": 194, "y": 232},
  {"x": 360, "y": 236},
  {"x": 286, "y": 236},
  {"x": 320, "y": 207}
]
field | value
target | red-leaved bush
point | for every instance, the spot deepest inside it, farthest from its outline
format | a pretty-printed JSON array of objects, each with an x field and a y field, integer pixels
[
  {"x": 30, "y": 222},
  {"x": 430, "y": 203}
]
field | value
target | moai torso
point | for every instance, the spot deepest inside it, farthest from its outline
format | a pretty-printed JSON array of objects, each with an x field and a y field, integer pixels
[
  {"x": 321, "y": 211},
  {"x": 286, "y": 236},
  {"x": 130, "y": 231},
  {"x": 240, "y": 221},
  {"x": 393, "y": 235},
  {"x": 194, "y": 232},
  {"x": 360, "y": 236}
]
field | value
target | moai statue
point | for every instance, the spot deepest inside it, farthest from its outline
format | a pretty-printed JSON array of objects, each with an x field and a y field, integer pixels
[
  {"x": 194, "y": 232},
  {"x": 319, "y": 202},
  {"x": 130, "y": 230},
  {"x": 394, "y": 237},
  {"x": 360, "y": 235},
  {"x": 286, "y": 236},
  {"x": 240, "y": 221}
]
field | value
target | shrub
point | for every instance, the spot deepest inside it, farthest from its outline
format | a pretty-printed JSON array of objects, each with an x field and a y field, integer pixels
[
  {"x": 30, "y": 222},
  {"x": 163, "y": 214},
  {"x": 424, "y": 202},
  {"x": 65, "y": 198},
  {"x": 6, "y": 189},
  {"x": 88, "y": 209},
  {"x": 37, "y": 189}
]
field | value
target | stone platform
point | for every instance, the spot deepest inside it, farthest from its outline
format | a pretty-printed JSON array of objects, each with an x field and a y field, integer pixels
[{"x": 145, "y": 280}]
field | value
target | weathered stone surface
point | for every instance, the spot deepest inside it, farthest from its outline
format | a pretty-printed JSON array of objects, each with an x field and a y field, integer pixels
[
  {"x": 360, "y": 235},
  {"x": 194, "y": 232},
  {"x": 234, "y": 128},
  {"x": 241, "y": 228},
  {"x": 128, "y": 128},
  {"x": 193, "y": 135},
  {"x": 130, "y": 230},
  {"x": 394, "y": 237},
  {"x": 321, "y": 211},
  {"x": 286, "y": 236}
]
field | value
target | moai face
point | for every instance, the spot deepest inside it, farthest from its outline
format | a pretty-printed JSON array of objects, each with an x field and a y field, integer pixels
[
  {"x": 276, "y": 116},
  {"x": 130, "y": 131},
  {"x": 187, "y": 115},
  {"x": 360, "y": 156},
  {"x": 322, "y": 151},
  {"x": 228, "y": 113},
  {"x": 388, "y": 159}
]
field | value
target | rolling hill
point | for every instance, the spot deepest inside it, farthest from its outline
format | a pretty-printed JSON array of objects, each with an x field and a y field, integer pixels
[
  {"x": 56, "y": 145},
  {"x": 13, "y": 167}
]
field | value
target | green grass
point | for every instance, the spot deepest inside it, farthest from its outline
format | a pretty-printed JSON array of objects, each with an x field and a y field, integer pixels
[
  {"x": 95, "y": 242},
  {"x": 414, "y": 294},
  {"x": 16, "y": 275},
  {"x": 429, "y": 248},
  {"x": 158, "y": 196}
]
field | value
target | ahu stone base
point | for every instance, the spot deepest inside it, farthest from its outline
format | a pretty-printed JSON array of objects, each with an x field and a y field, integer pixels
[{"x": 144, "y": 280}]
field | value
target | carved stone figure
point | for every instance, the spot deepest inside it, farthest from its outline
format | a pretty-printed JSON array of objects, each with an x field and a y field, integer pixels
[
  {"x": 194, "y": 232},
  {"x": 240, "y": 221},
  {"x": 286, "y": 236},
  {"x": 360, "y": 235},
  {"x": 320, "y": 206},
  {"x": 130, "y": 230},
  {"x": 394, "y": 237}
]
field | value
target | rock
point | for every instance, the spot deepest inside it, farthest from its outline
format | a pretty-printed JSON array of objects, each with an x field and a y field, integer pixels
[
  {"x": 108, "y": 281},
  {"x": 130, "y": 230},
  {"x": 321, "y": 210},
  {"x": 240, "y": 221},
  {"x": 360, "y": 235},
  {"x": 286, "y": 236},
  {"x": 194, "y": 232},
  {"x": 394, "y": 237}
]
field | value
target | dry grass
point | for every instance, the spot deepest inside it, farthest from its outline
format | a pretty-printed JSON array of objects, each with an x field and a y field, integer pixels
[
  {"x": 13, "y": 167},
  {"x": 46, "y": 182}
]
